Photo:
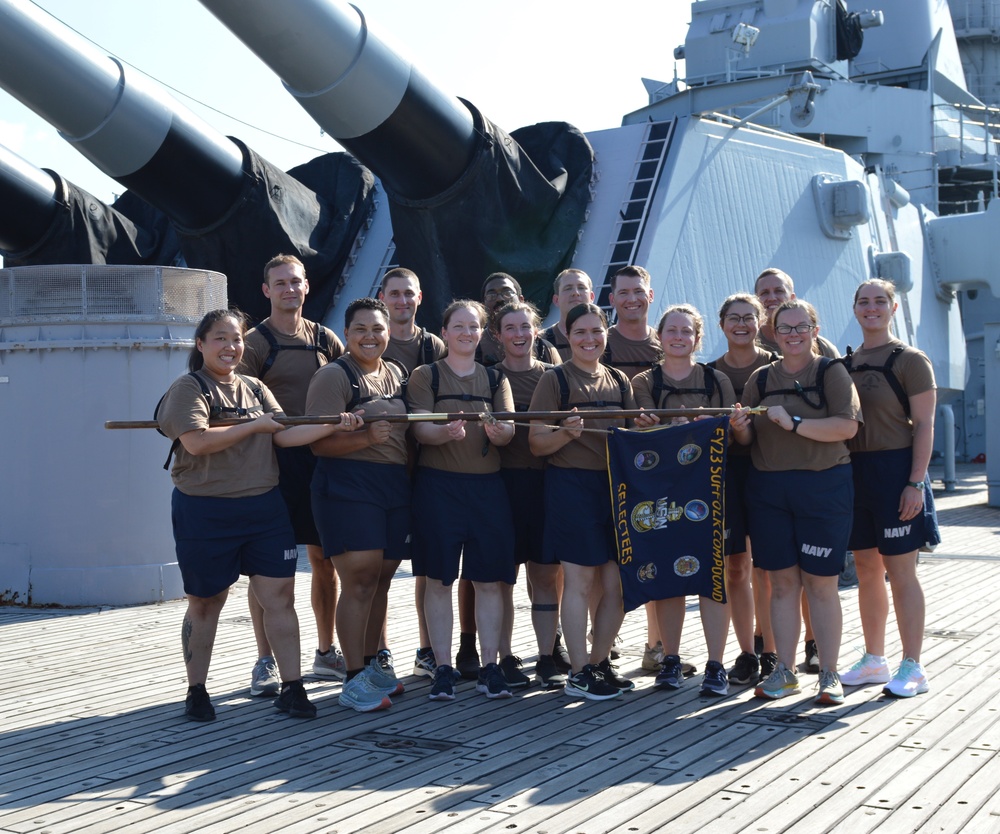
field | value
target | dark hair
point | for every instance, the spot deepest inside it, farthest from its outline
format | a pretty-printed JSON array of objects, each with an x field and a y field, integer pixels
[
  {"x": 582, "y": 310},
  {"x": 458, "y": 304},
  {"x": 195, "y": 358},
  {"x": 517, "y": 307},
  {"x": 364, "y": 304},
  {"x": 631, "y": 272},
  {"x": 398, "y": 272},
  {"x": 500, "y": 276},
  {"x": 278, "y": 260},
  {"x": 742, "y": 298}
]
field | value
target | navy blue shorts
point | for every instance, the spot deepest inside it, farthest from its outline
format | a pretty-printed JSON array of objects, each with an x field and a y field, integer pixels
[
  {"x": 461, "y": 518},
  {"x": 579, "y": 528},
  {"x": 879, "y": 479},
  {"x": 801, "y": 518},
  {"x": 737, "y": 472},
  {"x": 217, "y": 539},
  {"x": 360, "y": 505},
  {"x": 526, "y": 493},
  {"x": 295, "y": 467}
]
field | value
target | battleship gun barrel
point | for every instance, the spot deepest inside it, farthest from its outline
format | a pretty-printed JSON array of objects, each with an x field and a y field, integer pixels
[
  {"x": 27, "y": 202},
  {"x": 418, "y": 139},
  {"x": 120, "y": 122}
]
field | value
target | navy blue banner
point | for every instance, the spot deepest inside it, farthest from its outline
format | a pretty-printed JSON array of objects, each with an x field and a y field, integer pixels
[{"x": 668, "y": 500}]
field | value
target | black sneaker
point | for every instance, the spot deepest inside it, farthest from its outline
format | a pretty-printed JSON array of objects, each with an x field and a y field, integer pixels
[
  {"x": 467, "y": 660},
  {"x": 715, "y": 682},
  {"x": 511, "y": 668},
  {"x": 548, "y": 673},
  {"x": 671, "y": 676},
  {"x": 812, "y": 658},
  {"x": 492, "y": 683},
  {"x": 611, "y": 675},
  {"x": 560, "y": 656},
  {"x": 589, "y": 683},
  {"x": 768, "y": 663},
  {"x": 197, "y": 705},
  {"x": 443, "y": 688},
  {"x": 294, "y": 701},
  {"x": 745, "y": 669}
]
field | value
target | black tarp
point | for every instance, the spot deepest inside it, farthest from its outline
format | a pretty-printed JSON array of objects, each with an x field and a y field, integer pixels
[{"x": 517, "y": 209}]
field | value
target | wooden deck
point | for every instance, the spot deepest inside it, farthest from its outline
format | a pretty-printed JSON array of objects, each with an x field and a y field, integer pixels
[{"x": 92, "y": 738}]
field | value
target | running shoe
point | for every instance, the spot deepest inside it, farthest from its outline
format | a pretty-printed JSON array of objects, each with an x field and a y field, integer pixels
[
  {"x": 589, "y": 683},
  {"x": 671, "y": 676},
  {"x": 492, "y": 683},
  {"x": 610, "y": 672},
  {"x": 910, "y": 680},
  {"x": 197, "y": 705},
  {"x": 768, "y": 661},
  {"x": 779, "y": 684},
  {"x": 467, "y": 659},
  {"x": 870, "y": 669},
  {"x": 443, "y": 688},
  {"x": 652, "y": 657},
  {"x": 548, "y": 673},
  {"x": 264, "y": 678},
  {"x": 329, "y": 664},
  {"x": 745, "y": 670},
  {"x": 812, "y": 658},
  {"x": 382, "y": 675},
  {"x": 830, "y": 690},
  {"x": 715, "y": 682},
  {"x": 511, "y": 668},
  {"x": 424, "y": 663},
  {"x": 362, "y": 696},
  {"x": 294, "y": 701}
]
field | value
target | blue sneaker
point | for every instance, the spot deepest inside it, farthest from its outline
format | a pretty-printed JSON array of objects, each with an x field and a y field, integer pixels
[
  {"x": 671, "y": 676},
  {"x": 443, "y": 688},
  {"x": 382, "y": 675},
  {"x": 492, "y": 683},
  {"x": 362, "y": 696}
]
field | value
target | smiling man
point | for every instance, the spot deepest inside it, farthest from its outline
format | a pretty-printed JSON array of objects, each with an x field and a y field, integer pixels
[
  {"x": 773, "y": 288},
  {"x": 632, "y": 344},
  {"x": 571, "y": 287},
  {"x": 284, "y": 351},
  {"x": 408, "y": 344}
]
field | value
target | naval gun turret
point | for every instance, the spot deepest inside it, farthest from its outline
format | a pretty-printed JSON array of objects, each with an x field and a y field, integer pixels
[
  {"x": 466, "y": 197},
  {"x": 230, "y": 209}
]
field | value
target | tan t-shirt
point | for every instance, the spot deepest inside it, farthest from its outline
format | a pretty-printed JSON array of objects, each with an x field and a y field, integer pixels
[
  {"x": 330, "y": 392},
  {"x": 631, "y": 356},
  {"x": 777, "y": 450},
  {"x": 491, "y": 351},
  {"x": 738, "y": 377},
  {"x": 517, "y": 453},
  {"x": 289, "y": 376},
  {"x": 248, "y": 468},
  {"x": 886, "y": 425},
  {"x": 410, "y": 352},
  {"x": 589, "y": 451},
  {"x": 691, "y": 391},
  {"x": 459, "y": 455}
]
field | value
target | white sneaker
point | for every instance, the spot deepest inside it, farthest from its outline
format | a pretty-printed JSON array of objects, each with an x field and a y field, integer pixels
[
  {"x": 870, "y": 669},
  {"x": 910, "y": 680}
]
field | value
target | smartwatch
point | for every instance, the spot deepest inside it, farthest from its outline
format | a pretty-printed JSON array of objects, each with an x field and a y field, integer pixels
[{"x": 796, "y": 422}]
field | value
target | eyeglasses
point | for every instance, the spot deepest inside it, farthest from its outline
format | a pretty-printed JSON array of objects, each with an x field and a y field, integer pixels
[
  {"x": 735, "y": 319},
  {"x": 505, "y": 292},
  {"x": 785, "y": 329}
]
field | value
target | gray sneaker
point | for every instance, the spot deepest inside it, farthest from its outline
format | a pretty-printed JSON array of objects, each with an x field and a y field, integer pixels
[
  {"x": 382, "y": 675},
  {"x": 264, "y": 678},
  {"x": 330, "y": 664},
  {"x": 360, "y": 694}
]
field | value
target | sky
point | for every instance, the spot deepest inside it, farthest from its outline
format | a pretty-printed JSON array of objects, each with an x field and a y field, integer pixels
[{"x": 520, "y": 62}]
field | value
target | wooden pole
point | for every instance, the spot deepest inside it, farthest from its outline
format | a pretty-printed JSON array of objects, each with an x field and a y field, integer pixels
[{"x": 519, "y": 416}]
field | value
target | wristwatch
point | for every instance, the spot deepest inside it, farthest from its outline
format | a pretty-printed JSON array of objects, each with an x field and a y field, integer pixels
[
  {"x": 796, "y": 422},
  {"x": 915, "y": 484}
]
